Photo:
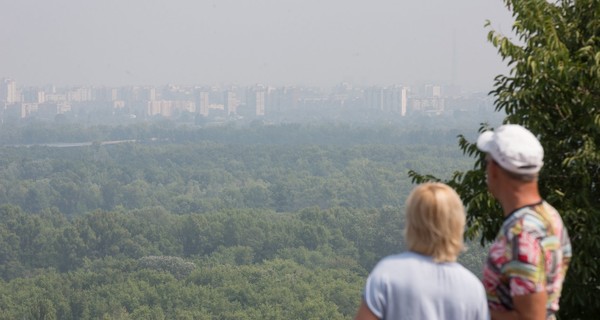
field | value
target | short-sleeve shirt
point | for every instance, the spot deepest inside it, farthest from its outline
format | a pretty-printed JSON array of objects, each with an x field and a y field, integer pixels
[
  {"x": 531, "y": 253},
  {"x": 413, "y": 286}
]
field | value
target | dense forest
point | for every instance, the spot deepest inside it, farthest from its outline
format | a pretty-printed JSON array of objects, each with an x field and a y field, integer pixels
[{"x": 266, "y": 221}]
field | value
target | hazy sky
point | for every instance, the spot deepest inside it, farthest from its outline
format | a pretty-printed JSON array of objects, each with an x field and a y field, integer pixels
[{"x": 278, "y": 42}]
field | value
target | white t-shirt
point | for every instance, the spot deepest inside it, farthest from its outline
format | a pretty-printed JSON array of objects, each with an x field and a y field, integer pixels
[{"x": 413, "y": 286}]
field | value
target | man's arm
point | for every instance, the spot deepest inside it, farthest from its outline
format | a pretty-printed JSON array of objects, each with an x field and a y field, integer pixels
[
  {"x": 528, "y": 307},
  {"x": 364, "y": 313},
  {"x": 525, "y": 271}
]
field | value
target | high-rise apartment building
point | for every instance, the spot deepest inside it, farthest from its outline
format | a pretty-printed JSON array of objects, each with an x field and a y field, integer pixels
[
  {"x": 231, "y": 102},
  {"x": 261, "y": 99},
  {"x": 8, "y": 91},
  {"x": 404, "y": 101},
  {"x": 202, "y": 102},
  {"x": 283, "y": 99},
  {"x": 257, "y": 99},
  {"x": 80, "y": 94},
  {"x": 390, "y": 99},
  {"x": 433, "y": 91}
]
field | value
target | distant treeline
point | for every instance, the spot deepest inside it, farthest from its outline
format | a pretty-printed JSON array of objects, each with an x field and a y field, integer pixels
[
  {"x": 397, "y": 130},
  {"x": 206, "y": 175}
]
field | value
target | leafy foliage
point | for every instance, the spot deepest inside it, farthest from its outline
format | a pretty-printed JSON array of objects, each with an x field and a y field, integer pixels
[{"x": 553, "y": 88}]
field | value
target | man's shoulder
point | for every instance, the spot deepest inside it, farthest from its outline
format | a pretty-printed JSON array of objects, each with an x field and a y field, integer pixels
[
  {"x": 540, "y": 221},
  {"x": 533, "y": 216}
]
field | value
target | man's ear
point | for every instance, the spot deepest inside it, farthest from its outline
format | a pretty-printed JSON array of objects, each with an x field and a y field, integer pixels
[{"x": 494, "y": 169}]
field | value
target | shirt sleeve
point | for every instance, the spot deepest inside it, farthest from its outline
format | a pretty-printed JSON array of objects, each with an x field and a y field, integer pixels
[
  {"x": 525, "y": 270},
  {"x": 374, "y": 294}
]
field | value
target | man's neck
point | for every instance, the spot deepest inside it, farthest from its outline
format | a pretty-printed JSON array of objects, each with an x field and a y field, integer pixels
[{"x": 519, "y": 195}]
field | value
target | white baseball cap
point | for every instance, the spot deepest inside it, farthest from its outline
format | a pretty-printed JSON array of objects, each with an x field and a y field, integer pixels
[{"x": 514, "y": 148}]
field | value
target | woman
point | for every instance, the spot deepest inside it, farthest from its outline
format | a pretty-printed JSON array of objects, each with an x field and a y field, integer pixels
[{"x": 426, "y": 282}]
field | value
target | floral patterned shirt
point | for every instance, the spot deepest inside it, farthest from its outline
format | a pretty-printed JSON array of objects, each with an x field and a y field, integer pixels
[{"x": 531, "y": 253}]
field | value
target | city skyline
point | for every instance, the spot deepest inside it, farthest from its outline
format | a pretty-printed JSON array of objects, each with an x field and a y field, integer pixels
[
  {"x": 112, "y": 43},
  {"x": 231, "y": 102}
]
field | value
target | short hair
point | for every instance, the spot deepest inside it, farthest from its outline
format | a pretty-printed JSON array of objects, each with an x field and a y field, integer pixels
[
  {"x": 523, "y": 177},
  {"x": 435, "y": 221}
]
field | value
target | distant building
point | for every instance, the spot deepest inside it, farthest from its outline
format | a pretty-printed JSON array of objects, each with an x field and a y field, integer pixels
[
  {"x": 389, "y": 99},
  {"x": 202, "y": 102},
  {"x": 433, "y": 91},
  {"x": 33, "y": 95},
  {"x": 160, "y": 107},
  {"x": 404, "y": 101},
  {"x": 261, "y": 99},
  {"x": 148, "y": 94},
  {"x": 283, "y": 99},
  {"x": 431, "y": 106},
  {"x": 257, "y": 100},
  {"x": 8, "y": 91},
  {"x": 80, "y": 95},
  {"x": 169, "y": 108},
  {"x": 232, "y": 102}
]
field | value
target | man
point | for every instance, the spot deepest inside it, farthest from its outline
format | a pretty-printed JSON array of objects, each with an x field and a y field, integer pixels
[{"x": 528, "y": 261}]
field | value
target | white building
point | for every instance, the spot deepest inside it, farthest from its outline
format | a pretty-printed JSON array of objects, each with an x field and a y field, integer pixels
[
  {"x": 8, "y": 91},
  {"x": 232, "y": 102}
]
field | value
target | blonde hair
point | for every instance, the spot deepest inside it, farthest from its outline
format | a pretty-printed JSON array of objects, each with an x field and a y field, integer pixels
[{"x": 435, "y": 221}]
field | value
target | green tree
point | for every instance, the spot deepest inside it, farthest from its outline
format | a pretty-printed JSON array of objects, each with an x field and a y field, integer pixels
[{"x": 553, "y": 88}]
